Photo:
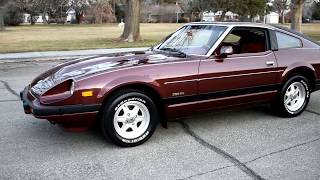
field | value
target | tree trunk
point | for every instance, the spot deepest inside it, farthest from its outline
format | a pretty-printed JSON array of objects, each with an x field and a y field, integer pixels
[
  {"x": 3, "y": 7},
  {"x": 223, "y": 15},
  {"x": 282, "y": 18},
  {"x": 296, "y": 17},
  {"x": 131, "y": 32},
  {"x": 1, "y": 19},
  {"x": 79, "y": 16},
  {"x": 44, "y": 18},
  {"x": 127, "y": 20},
  {"x": 32, "y": 19}
]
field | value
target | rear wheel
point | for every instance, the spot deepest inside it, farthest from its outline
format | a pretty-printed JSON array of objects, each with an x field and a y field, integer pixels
[
  {"x": 129, "y": 118},
  {"x": 294, "y": 97}
]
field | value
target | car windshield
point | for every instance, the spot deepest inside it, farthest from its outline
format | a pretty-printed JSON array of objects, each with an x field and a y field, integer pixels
[{"x": 193, "y": 39}]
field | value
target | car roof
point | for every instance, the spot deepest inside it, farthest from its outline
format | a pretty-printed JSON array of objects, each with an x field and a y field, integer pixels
[
  {"x": 233, "y": 24},
  {"x": 258, "y": 25}
]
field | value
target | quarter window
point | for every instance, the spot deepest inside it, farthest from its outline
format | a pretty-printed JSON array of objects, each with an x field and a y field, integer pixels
[{"x": 286, "y": 41}]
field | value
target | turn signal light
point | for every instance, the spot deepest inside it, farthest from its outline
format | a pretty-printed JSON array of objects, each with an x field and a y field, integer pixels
[{"x": 87, "y": 93}]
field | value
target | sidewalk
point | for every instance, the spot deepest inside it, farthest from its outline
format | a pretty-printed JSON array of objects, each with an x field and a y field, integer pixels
[{"x": 61, "y": 54}]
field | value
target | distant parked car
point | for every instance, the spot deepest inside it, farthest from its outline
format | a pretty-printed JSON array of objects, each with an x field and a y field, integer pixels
[
  {"x": 200, "y": 67},
  {"x": 306, "y": 20}
]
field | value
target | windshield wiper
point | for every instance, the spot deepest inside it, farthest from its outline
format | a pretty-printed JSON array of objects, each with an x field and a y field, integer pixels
[{"x": 175, "y": 51}]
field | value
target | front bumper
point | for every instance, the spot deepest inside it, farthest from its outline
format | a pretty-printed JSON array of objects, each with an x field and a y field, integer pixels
[{"x": 32, "y": 105}]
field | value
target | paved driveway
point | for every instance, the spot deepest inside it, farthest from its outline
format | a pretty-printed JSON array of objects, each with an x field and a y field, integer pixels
[{"x": 233, "y": 144}]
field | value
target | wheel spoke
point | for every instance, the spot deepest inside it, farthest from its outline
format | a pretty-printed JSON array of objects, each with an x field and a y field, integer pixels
[
  {"x": 135, "y": 111},
  {"x": 296, "y": 92},
  {"x": 290, "y": 89},
  {"x": 287, "y": 101},
  {"x": 125, "y": 127},
  {"x": 139, "y": 119},
  {"x": 121, "y": 119},
  {"x": 134, "y": 127},
  {"x": 125, "y": 109}
]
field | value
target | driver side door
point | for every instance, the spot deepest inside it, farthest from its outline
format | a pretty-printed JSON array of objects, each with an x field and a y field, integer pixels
[{"x": 242, "y": 78}]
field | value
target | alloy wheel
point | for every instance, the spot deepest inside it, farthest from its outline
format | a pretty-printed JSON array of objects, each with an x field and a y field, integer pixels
[
  {"x": 295, "y": 97},
  {"x": 131, "y": 119}
]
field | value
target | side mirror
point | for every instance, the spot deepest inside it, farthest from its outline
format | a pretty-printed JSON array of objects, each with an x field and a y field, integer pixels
[{"x": 225, "y": 51}]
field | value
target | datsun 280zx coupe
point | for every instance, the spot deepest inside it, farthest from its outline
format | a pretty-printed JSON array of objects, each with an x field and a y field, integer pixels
[{"x": 200, "y": 67}]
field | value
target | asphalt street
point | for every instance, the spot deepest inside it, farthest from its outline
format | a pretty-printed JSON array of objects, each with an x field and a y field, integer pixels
[{"x": 247, "y": 143}]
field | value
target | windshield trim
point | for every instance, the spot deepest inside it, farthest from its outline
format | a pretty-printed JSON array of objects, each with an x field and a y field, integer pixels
[
  {"x": 219, "y": 41},
  {"x": 214, "y": 46}
]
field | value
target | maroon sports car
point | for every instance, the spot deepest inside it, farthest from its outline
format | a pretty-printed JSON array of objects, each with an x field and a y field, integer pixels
[{"x": 200, "y": 67}]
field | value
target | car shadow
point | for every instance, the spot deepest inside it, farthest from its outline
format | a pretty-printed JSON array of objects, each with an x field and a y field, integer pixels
[{"x": 51, "y": 134}]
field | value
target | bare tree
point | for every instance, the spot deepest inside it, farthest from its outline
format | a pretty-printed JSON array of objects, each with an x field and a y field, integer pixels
[
  {"x": 281, "y": 6},
  {"x": 131, "y": 32},
  {"x": 296, "y": 16},
  {"x": 31, "y": 7},
  {"x": 100, "y": 11},
  {"x": 44, "y": 8},
  {"x": 53, "y": 9},
  {"x": 80, "y": 6}
]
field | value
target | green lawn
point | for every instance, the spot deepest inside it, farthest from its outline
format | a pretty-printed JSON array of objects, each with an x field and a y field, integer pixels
[
  {"x": 27, "y": 38},
  {"x": 312, "y": 30}
]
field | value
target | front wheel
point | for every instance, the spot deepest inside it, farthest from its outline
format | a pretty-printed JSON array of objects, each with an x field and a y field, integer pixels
[
  {"x": 129, "y": 118},
  {"x": 294, "y": 97}
]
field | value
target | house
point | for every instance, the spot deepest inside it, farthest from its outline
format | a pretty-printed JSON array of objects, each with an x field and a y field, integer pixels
[
  {"x": 161, "y": 13},
  {"x": 71, "y": 15},
  {"x": 272, "y": 18},
  {"x": 26, "y": 18},
  {"x": 216, "y": 16}
]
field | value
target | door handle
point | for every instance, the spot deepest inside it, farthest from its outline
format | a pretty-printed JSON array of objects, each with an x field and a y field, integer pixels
[{"x": 270, "y": 63}]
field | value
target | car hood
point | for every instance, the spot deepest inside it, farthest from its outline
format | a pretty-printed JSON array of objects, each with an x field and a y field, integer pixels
[
  {"x": 95, "y": 64},
  {"x": 87, "y": 66}
]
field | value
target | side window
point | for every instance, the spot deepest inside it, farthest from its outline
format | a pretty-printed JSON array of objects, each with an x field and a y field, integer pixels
[
  {"x": 286, "y": 41},
  {"x": 231, "y": 38},
  {"x": 246, "y": 40}
]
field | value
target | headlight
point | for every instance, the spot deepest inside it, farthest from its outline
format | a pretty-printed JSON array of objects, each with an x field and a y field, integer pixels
[
  {"x": 62, "y": 88},
  {"x": 51, "y": 86},
  {"x": 60, "y": 77},
  {"x": 44, "y": 85},
  {"x": 59, "y": 92}
]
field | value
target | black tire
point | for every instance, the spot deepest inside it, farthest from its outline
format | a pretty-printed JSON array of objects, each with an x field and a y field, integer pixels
[
  {"x": 279, "y": 105},
  {"x": 110, "y": 109}
]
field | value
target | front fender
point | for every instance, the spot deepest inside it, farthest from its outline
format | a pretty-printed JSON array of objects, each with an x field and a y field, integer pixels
[{"x": 127, "y": 81}]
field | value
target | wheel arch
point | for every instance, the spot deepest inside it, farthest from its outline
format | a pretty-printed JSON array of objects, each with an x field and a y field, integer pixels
[
  {"x": 306, "y": 71},
  {"x": 146, "y": 89}
]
